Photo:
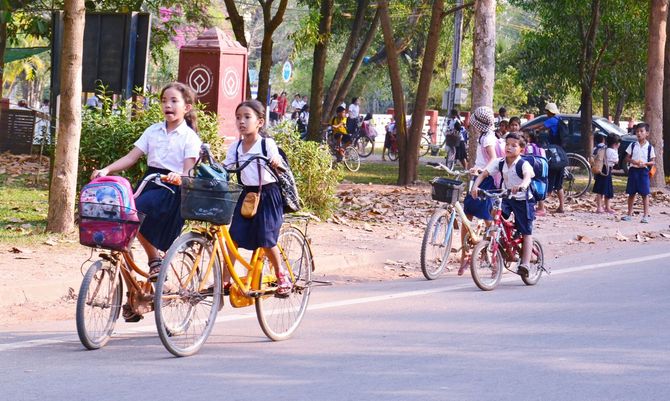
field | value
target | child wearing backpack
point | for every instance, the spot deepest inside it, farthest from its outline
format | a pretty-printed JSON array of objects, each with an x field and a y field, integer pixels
[
  {"x": 640, "y": 155},
  {"x": 533, "y": 148},
  {"x": 262, "y": 229},
  {"x": 606, "y": 155},
  {"x": 171, "y": 147},
  {"x": 521, "y": 202}
]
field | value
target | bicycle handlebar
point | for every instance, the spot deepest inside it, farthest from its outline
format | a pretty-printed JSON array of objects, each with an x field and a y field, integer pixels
[
  {"x": 494, "y": 193},
  {"x": 157, "y": 179}
]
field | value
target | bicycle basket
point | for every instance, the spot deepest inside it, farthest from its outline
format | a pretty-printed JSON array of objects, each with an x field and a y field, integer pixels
[
  {"x": 446, "y": 190},
  {"x": 208, "y": 199},
  {"x": 108, "y": 226}
]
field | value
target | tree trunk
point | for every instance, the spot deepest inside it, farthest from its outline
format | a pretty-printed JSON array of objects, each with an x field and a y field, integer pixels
[
  {"x": 354, "y": 36},
  {"x": 318, "y": 71},
  {"x": 3, "y": 46},
  {"x": 483, "y": 62},
  {"x": 586, "y": 118},
  {"x": 588, "y": 70},
  {"x": 653, "y": 107},
  {"x": 396, "y": 89},
  {"x": 237, "y": 22},
  {"x": 356, "y": 65},
  {"x": 606, "y": 102},
  {"x": 666, "y": 95},
  {"x": 620, "y": 103},
  {"x": 422, "y": 91},
  {"x": 270, "y": 24},
  {"x": 62, "y": 193}
]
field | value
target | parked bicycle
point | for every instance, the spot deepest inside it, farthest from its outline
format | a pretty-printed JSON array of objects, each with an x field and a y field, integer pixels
[
  {"x": 363, "y": 139},
  {"x": 577, "y": 176},
  {"x": 445, "y": 220},
  {"x": 190, "y": 289},
  {"x": 501, "y": 248},
  {"x": 99, "y": 303},
  {"x": 347, "y": 154}
]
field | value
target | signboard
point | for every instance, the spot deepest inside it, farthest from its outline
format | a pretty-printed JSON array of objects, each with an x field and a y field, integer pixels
[{"x": 287, "y": 71}]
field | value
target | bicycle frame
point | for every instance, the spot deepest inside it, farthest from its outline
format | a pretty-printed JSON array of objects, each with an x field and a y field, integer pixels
[{"x": 502, "y": 236}]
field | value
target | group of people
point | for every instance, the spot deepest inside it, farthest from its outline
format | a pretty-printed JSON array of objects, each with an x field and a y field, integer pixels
[{"x": 278, "y": 106}]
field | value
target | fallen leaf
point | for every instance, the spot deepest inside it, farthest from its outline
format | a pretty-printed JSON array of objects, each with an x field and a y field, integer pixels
[
  {"x": 367, "y": 227},
  {"x": 15, "y": 250},
  {"x": 620, "y": 237},
  {"x": 50, "y": 242},
  {"x": 584, "y": 239}
]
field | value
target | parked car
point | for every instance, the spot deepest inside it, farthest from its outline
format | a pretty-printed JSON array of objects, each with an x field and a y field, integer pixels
[{"x": 600, "y": 125}]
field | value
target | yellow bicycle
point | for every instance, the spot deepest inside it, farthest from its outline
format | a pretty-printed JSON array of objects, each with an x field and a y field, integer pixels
[{"x": 190, "y": 291}]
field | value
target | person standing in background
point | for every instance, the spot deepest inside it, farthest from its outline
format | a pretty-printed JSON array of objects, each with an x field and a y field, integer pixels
[{"x": 282, "y": 105}]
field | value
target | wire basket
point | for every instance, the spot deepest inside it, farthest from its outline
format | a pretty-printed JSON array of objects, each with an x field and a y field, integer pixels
[
  {"x": 208, "y": 199},
  {"x": 107, "y": 226},
  {"x": 446, "y": 190}
]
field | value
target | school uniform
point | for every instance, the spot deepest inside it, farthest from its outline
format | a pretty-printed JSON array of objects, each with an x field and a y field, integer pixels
[
  {"x": 166, "y": 152},
  {"x": 481, "y": 208},
  {"x": 262, "y": 230},
  {"x": 602, "y": 184},
  {"x": 522, "y": 204},
  {"x": 638, "y": 177}
]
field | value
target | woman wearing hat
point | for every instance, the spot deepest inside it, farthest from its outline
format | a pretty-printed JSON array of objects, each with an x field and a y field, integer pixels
[
  {"x": 482, "y": 129},
  {"x": 555, "y": 178}
]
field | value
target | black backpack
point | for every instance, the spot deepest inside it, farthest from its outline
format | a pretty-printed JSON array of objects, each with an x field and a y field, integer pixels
[
  {"x": 562, "y": 134},
  {"x": 556, "y": 157}
]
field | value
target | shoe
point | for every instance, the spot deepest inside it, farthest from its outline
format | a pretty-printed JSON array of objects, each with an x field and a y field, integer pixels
[
  {"x": 540, "y": 213},
  {"x": 130, "y": 316},
  {"x": 522, "y": 271},
  {"x": 599, "y": 211},
  {"x": 645, "y": 219},
  {"x": 626, "y": 218},
  {"x": 155, "y": 269},
  {"x": 465, "y": 263},
  {"x": 284, "y": 284}
]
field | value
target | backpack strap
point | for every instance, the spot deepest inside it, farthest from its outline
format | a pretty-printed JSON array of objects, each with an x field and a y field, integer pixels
[{"x": 237, "y": 162}]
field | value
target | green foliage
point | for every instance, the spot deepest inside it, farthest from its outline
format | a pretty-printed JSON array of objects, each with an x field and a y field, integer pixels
[
  {"x": 109, "y": 133},
  {"x": 310, "y": 163}
]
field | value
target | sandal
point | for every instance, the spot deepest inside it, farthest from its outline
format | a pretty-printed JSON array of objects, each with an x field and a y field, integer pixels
[
  {"x": 284, "y": 284},
  {"x": 130, "y": 316},
  {"x": 465, "y": 263},
  {"x": 154, "y": 269}
]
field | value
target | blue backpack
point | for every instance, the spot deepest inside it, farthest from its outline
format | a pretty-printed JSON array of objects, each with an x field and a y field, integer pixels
[{"x": 538, "y": 184}]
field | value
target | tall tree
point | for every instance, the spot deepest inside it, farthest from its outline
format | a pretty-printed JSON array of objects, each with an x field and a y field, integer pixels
[
  {"x": 653, "y": 108},
  {"x": 483, "y": 65},
  {"x": 666, "y": 95},
  {"x": 64, "y": 179},
  {"x": 318, "y": 68}
]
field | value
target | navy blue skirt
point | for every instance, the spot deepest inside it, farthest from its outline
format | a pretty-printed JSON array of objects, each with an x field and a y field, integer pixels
[
  {"x": 262, "y": 230},
  {"x": 603, "y": 186},
  {"x": 638, "y": 181},
  {"x": 162, "y": 222},
  {"x": 478, "y": 207}
]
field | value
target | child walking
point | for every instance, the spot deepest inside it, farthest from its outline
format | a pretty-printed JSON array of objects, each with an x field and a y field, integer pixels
[
  {"x": 171, "y": 148},
  {"x": 521, "y": 203},
  {"x": 640, "y": 155},
  {"x": 261, "y": 230},
  {"x": 602, "y": 186}
]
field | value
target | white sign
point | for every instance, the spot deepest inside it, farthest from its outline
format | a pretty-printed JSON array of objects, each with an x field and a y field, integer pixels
[{"x": 287, "y": 71}]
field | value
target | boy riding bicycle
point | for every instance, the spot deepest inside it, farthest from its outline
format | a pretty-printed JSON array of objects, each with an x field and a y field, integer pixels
[{"x": 521, "y": 202}]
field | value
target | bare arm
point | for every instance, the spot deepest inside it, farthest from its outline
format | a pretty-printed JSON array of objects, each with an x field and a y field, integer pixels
[{"x": 123, "y": 163}]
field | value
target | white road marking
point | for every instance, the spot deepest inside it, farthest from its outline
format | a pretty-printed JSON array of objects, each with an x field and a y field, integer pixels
[{"x": 337, "y": 304}]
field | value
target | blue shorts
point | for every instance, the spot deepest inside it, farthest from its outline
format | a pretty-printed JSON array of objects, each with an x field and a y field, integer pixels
[
  {"x": 524, "y": 214},
  {"x": 480, "y": 208},
  {"x": 555, "y": 180},
  {"x": 638, "y": 181}
]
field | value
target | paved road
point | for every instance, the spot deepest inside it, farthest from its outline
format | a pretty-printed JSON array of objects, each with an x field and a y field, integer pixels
[{"x": 590, "y": 331}]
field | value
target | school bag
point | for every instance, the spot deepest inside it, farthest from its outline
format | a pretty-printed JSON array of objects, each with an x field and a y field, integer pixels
[
  {"x": 538, "y": 184},
  {"x": 598, "y": 161},
  {"x": 108, "y": 218},
  {"x": 556, "y": 157}
]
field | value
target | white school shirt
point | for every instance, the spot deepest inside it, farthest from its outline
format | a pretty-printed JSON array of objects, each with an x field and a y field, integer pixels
[
  {"x": 640, "y": 152},
  {"x": 489, "y": 139},
  {"x": 510, "y": 177},
  {"x": 168, "y": 150},
  {"x": 612, "y": 157},
  {"x": 249, "y": 174},
  {"x": 354, "y": 110}
]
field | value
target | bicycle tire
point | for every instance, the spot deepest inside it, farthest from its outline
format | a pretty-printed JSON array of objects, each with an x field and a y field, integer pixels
[
  {"x": 102, "y": 282},
  {"x": 184, "y": 314},
  {"x": 279, "y": 317},
  {"x": 393, "y": 154},
  {"x": 351, "y": 159},
  {"x": 536, "y": 266},
  {"x": 424, "y": 146},
  {"x": 436, "y": 247},
  {"x": 364, "y": 146},
  {"x": 578, "y": 176},
  {"x": 486, "y": 268}
]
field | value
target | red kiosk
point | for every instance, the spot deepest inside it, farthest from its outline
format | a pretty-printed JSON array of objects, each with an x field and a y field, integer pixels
[{"x": 215, "y": 66}]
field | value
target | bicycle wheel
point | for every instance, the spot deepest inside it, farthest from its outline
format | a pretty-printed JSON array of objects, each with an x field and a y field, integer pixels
[
  {"x": 577, "y": 176},
  {"x": 185, "y": 304},
  {"x": 393, "y": 154},
  {"x": 536, "y": 264},
  {"x": 486, "y": 267},
  {"x": 364, "y": 146},
  {"x": 351, "y": 159},
  {"x": 424, "y": 146},
  {"x": 436, "y": 245},
  {"x": 280, "y": 317},
  {"x": 98, "y": 304}
]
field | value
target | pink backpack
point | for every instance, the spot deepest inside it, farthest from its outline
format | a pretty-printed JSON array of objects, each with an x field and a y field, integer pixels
[{"x": 108, "y": 218}]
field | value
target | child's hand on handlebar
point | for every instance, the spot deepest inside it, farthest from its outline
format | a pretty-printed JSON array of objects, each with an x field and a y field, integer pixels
[
  {"x": 172, "y": 178},
  {"x": 474, "y": 192},
  {"x": 99, "y": 173}
]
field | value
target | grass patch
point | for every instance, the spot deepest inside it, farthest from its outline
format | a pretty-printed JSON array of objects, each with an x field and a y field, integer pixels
[{"x": 23, "y": 210}]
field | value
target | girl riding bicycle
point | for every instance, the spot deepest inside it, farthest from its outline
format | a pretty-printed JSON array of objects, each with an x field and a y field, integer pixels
[
  {"x": 171, "y": 147},
  {"x": 262, "y": 229}
]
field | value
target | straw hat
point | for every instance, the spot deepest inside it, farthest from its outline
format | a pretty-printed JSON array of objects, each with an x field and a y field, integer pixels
[
  {"x": 482, "y": 119},
  {"x": 551, "y": 107}
]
